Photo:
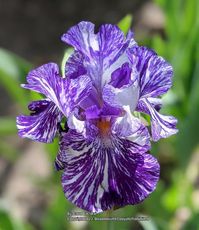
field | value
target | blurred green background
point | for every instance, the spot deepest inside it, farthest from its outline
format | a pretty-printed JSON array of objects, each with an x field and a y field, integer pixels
[{"x": 31, "y": 196}]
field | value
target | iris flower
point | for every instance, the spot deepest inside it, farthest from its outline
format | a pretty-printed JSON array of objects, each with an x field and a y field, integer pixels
[{"x": 104, "y": 147}]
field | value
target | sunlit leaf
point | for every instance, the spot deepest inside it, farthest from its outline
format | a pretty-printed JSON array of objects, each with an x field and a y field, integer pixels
[
  {"x": 125, "y": 23},
  {"x": 67, "y": 54}
]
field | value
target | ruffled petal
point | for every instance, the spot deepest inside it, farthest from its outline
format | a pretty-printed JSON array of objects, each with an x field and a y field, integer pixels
[
  {"x": 65, "y": 93},
  {"x": 155, "y": 74},
  {"x": 97, "y": 177},
  {"x": 102, "y": 52},
  {"x": 42, "y": 124},
  {"x": 82, "y": 38},
  {"x": 161, "y": 126}
]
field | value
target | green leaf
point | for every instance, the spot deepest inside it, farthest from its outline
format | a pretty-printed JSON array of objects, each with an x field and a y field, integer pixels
[
  {"x": 56, "y": 215},
  {"x": 189, "y": 126},
  {"x": 159, "y": 45},
  {"x": 5, "y": 221},
  {"x": 12, "y": 72},
  {"x": 67, "y": 54},
  {"x": 8, "y": 222},
  {"x": 125, "y": 23}
]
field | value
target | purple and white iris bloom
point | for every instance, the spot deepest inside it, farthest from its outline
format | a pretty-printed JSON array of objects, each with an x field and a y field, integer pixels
[{"x": 104, "y": 148}]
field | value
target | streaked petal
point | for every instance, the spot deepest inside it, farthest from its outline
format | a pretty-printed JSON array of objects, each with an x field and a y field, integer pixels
[
  {"x": 161, "y": 126},
  {"x": 78, "y": 89},
  {"x": 121, "y": 97},
  {"x": 122, "y": 90},
  {"x": 102, "y": 53},
  {"x": 132, "y": 129},
  {"x": 65, "y": 93},
  {"x": 82, "y": 38},
  {"x": 42, "y": 124},
  {"x": 75, "y": 122},
  {"x": 155, "y": 74},
  {"x": 98, "y": 177},
  {"x": 74, "y": 66},
  {"x": 46, "y": 80},
  {"x": 111, "y": 41}
]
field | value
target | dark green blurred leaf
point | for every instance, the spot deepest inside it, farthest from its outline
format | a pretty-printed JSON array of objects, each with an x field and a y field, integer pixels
[
  {"x": 56, "y": 216},
  {"x": 188, "y": 137},
  {"x": 192, "y": 223}
]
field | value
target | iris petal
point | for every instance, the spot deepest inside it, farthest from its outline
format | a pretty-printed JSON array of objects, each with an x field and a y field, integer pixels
[
  {"x": 155, "y": 74},
  {"x": 74, "y": 66},
  {"x": 102, "y": 53},
  {"x": 82, "y": 38},
  {"x": 98, "y": 177},
  {"x": 132, "y": 129},
  {"x": 42, "y": 124},
  {"x": 65, "y": 93},
  {"x": 119, "y": 98},
  {"x": 161, "y": 126}
]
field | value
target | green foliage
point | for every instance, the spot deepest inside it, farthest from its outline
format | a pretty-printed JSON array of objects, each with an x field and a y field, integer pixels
[
  {"x": 8, "y": 222},
  {"x": 12, "y": 72},
  {"x": 125, "y": 23}
]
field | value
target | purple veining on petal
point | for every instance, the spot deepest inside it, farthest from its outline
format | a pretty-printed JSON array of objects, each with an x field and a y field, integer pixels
[
  {"x": 103, "y": 148},
  {"x": 132, "y": 129},
  {"x": 37, "y": 107},
  {"x": 65, "y": 93},
  {"x": 92, "y": 100},
  {"x": 92, "y": 112},
  {"x": 161, "y": 126},
  {"x": 101, "y": 175},
  {"x": 124, "y": 97},
  {"x": 82, "y": 38},
  {"x": 155, "y": 74},
  {"x": 102, "y": 53},
  {"x": 74, "y": 66},
  {"x": 41, "y": 125}
]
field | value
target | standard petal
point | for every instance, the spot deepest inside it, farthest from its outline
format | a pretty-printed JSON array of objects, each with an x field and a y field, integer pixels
[
  {"x": 65, "y": 93},
  {"x": 74, "y": 66},
  {"x": 100, "y": 175},
  {"x": 111, "y": 41},
  {"x": 82, "y": 38},
  {"x": 100, "y": 53},
  {"x": 42, "y": 124},
  {"x": 161, "y": 126},
  {"x": 155, "y": 74}
]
